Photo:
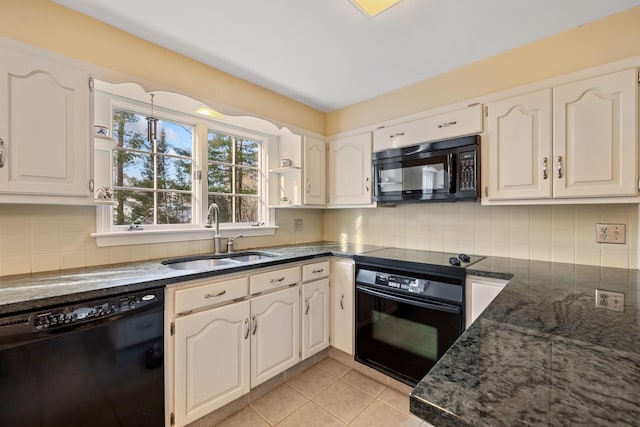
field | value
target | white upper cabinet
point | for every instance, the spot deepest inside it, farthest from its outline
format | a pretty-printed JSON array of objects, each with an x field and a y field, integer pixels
[
  {"x": 467, "y": 121},
  {"x": 45, "y": 131},
  {"x": 595, "y": 136},
  {"x": 519, "y": 133},
  {"x": 577, "y": 140},
  {"x": 314, "y": 167},
  {"x": 350, "y": 170}
]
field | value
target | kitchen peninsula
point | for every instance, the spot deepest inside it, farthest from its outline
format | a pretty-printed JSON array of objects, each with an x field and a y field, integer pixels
[{"x": 542, "y": 353}]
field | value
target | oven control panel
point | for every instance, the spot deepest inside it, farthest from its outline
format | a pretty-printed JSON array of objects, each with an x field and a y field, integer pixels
[{"x": 408, "y": 284}]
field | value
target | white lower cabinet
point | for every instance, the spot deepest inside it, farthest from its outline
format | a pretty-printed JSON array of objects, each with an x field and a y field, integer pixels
[
  {"x": 211, "y": 360},
  {"x": 480, "y": 292},
  {"x": 275, "y": 332},
  {"x": 342, "y": 304},
  {"x": 315, "y": 317}
]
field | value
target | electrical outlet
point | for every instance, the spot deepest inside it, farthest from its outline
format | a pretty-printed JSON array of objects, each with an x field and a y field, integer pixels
[
  {"x": 611, "y": 233},
  {"x": 609, "y": 300},
  {"x": 297, "y": 224}
]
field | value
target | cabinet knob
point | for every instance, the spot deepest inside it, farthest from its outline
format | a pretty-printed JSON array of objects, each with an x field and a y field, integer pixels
[
  {"x": 247, "y": 330},
  {"x": 255, "y": 324},
  {"x": 545, "y": 175},
  {"x": 306, "y": 310},
  {"x": 366, "y": 184},
  {"x": 1, "y": 153},
  {"x": 395, "y": 135},
  {"x": 342, "y": 301}
]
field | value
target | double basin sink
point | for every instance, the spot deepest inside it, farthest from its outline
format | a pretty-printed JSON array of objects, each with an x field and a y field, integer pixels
[{"x": 209, "y": 262}]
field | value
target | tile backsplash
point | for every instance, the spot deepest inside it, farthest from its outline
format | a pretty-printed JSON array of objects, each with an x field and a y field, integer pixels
[
  {"x": 560, "y": 233},
  {"x": 36, "y": 238}
]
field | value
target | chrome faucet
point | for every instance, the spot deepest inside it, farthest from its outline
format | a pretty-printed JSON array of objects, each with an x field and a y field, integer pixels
[
  {"x": 230, "y": 241},
  {"x": 217, "y": 238}
]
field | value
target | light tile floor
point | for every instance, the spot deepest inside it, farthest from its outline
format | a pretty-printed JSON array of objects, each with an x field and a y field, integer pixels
[{"x": 328, "y": 394}]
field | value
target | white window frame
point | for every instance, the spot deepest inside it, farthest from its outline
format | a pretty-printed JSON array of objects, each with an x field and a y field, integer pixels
[{"x": 108, "y": 234}]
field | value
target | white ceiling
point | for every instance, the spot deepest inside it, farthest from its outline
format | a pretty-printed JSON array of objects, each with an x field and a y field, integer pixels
[{"x": 326, "y": 53}]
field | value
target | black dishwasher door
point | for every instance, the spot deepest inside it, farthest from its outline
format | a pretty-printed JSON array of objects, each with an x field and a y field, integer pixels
[{"x": 107, "y": 373}]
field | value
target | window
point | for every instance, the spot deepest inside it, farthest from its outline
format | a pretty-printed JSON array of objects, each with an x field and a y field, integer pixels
[
  {"x": 152, "y": 180},
  {"x": 164, "y": 187},
  {"x": 233, "y": 165}
]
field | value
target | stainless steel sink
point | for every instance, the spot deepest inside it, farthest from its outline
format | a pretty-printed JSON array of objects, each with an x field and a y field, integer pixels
[{"x": 209, "y": 262}]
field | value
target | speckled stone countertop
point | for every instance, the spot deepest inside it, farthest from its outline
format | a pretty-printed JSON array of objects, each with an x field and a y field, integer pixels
[
  {"x": 33, "y": 291},
  {"x": 541, "y": 354}
]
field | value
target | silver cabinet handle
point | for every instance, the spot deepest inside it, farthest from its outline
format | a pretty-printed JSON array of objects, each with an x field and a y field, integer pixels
[
  {"x": 559, "y": 167},
  {"x": 308, "y": 186},
  {"x": 366, "y": 184},
  {"x": 247, "y": 330},
  {"x": 444, "y": 125},
  {"x": 1, "y": 153},
  {"x": 222, "y": 292},
  {"x": 277, "y": 280},
  {"x": 318, "y": 271},
  {"x": 396, "y": 135},
  {"x": 545, "y": 175},
  {"x": 255, "y": 325},
  {"x": 306, "y": 310},
  {"x": 342, "y": 302}
]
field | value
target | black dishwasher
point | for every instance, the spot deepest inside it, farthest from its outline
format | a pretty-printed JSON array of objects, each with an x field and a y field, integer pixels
[{"x": 97, "y": 362}]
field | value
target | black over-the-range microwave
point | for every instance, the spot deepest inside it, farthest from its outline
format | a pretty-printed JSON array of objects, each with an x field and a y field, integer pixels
[{"x": 447, "y": 170}]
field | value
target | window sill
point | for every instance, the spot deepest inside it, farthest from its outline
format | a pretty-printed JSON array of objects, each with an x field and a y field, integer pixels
[{"x": 121, "y": 238}]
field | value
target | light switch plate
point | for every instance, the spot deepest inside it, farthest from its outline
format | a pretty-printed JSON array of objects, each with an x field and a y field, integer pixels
[{"x": 611, "y": 233}]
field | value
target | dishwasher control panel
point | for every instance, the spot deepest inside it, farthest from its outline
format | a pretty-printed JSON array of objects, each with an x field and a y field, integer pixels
[{"x": 84, "y": 312}]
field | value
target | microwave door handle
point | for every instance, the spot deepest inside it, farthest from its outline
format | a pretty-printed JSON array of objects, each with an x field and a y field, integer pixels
[{"x": 451, "y": 171}]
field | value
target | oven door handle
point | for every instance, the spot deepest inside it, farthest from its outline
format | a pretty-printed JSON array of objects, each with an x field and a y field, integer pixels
[{"x": 432, "y": 306}]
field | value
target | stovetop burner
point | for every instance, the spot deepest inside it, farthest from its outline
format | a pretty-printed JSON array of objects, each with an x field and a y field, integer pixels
[{"x": 443, "y": 259}]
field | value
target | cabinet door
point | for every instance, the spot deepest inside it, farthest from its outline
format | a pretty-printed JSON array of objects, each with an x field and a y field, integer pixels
[
  {"x": 315, "y": 317},
  {"x": 44, "y": 125},
  {"x": 275, "y": 339},
  {"x": 595, "y": 136},
  {"x": 314, "y": 172},
  {"x": 342, "y": 323},
  {"x": 350, "y": 170},
  {"x": 519, "y": 141},
  {"x": 211, "y": 360}
]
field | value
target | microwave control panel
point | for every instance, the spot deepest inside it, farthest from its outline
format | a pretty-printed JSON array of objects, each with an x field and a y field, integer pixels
[{"x": 468, "y": 171}]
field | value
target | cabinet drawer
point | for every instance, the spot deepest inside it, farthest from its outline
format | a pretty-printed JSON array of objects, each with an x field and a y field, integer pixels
[
  {"x": 210, "y": 294},
  {"x": 442, "y": 126},
  {"x": 274, "y": 279},
  {"x": 317, "y": 270}
]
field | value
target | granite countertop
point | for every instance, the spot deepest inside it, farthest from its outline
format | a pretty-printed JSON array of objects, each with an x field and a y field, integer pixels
[
  {"x": 541, "y": 354},
  {"x": 34, "y": 291}
]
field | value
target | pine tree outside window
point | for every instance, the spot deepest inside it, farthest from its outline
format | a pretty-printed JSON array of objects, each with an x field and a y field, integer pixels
[{"x": 152, "y": 180}]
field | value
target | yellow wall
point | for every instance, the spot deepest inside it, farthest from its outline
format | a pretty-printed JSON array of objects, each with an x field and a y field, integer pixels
[
  {"x": 606, "y": 40},
  {"x": 50, "y": 26}
]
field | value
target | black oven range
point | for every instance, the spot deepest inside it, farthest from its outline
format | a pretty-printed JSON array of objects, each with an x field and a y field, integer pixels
[{"x": 409, "y": 309}]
